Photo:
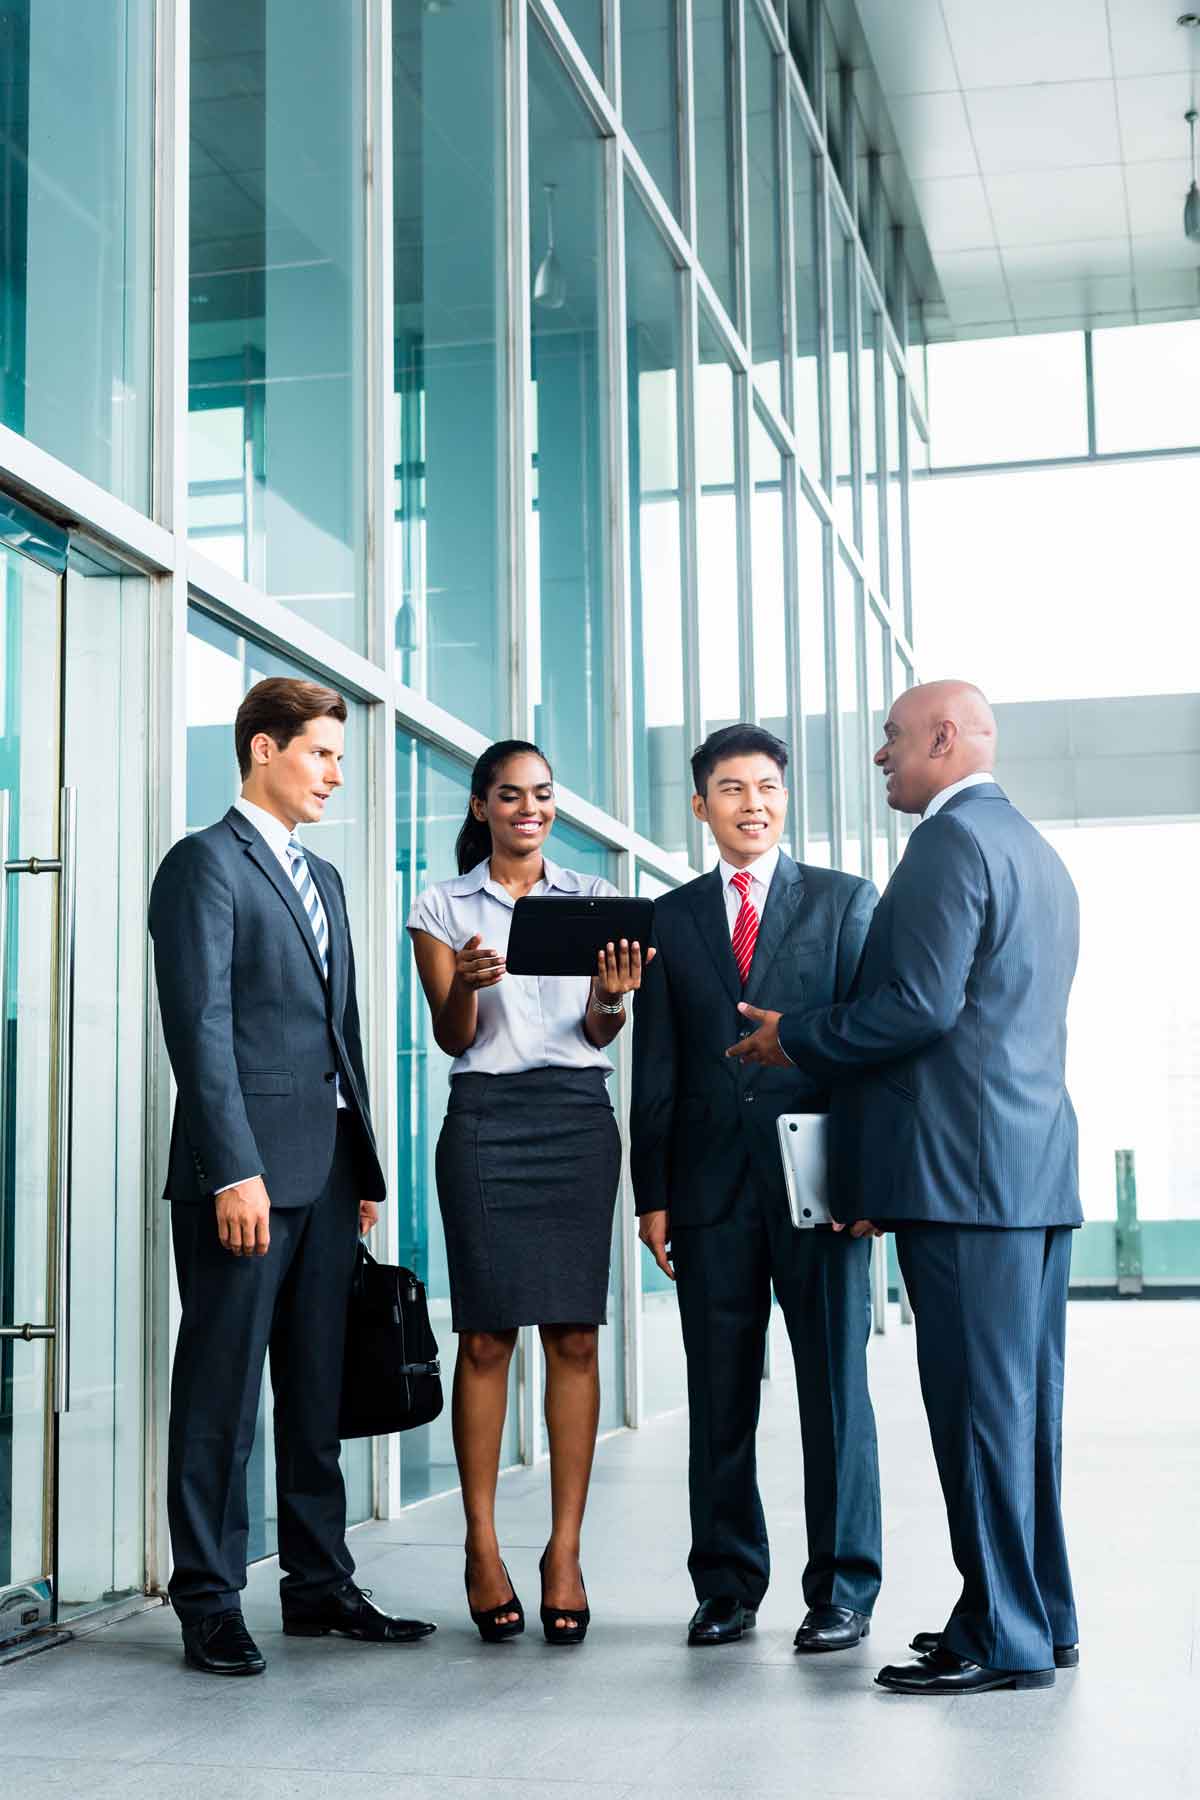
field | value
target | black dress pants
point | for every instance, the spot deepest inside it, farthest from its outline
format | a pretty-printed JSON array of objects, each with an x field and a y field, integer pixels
[
  {"x": 724, "y": 1275},
  {"x": 990, "y": 1308},
  {"x": 291, "y": 1302}
]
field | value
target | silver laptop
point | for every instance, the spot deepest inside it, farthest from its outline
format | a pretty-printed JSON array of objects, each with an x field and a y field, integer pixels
[{"x": 802, "y": 1139}]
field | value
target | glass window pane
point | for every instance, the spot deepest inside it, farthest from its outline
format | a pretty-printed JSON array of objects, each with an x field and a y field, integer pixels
[
  {"x": 654, "y": 354},
  {"x": 877, "y": 658},
  {"x": 902, "y": 680},
  {"x": 843, "y": 273},
  {"x": 650, "y": 89},
  {"x": 766, "y": 259},
  {"x": 847, "y": 593},
  {"x": 568, "y": 532},
  {"x": 277, "y": 290},
  {"x": 814, "y": 702},
  {"x": 717, "y": 572},
  {"x": 585, "y": 20},
  {"x": 712, "y": 80},
  {"x": 76, "y": 217},
  {"x": 805, "y": 190},
  {"x": 1147, "y": 381},
  {"x": 798, "y": 39},
  {"x": 867, "y": 436},
  {"x": 916, "y": 342},
  {"x": 449, "y": 603},
  {"x": 833, "y": 95},
  {"x": 1007, "y": 399},
  {"x": 664, "y": 1368},
  {"x": 769, "y": 598},
  {"x": 893, "y": 400},
  {"x": 221, "y": 667},
  {"x": 431, "y": 803}
]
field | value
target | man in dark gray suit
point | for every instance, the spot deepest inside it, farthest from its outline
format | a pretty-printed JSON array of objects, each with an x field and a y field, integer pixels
[
  {"x": 708, "y": 1182},
  {"x": 273, "y": 1173},
  {"x": 951, "y": 1124}
]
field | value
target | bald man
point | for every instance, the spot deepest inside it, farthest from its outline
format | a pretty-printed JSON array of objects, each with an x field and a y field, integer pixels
[{"x": 951, "y": 1125}]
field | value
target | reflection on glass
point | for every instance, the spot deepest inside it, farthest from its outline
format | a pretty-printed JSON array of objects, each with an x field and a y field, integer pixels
[
  {"x": 1006, "y": 399},
  {"x": 575, "y": 849},
  {"x": 807, "y": 422},
  {"x": 277, "y": 493},
  {"x": 585, "y": 19},
  {"x": 833, "y": 96},
  {"x": 650, "y": 90},
  {"x": 431, "y": 801},
  {"x": 872, "y": 499},
  {"x": 664, "y": 1368},
  {"x": 221, "y": 667},
  {"x": 842, "y": 273},
  {"x": 1147, "y": 386},
  {"x": 877, "y": 657},
  {"x": 768, "y": 593},
  {"x": 76, "y": 215},
  {"x": 902, "y": 680},
  {"x": 847, "y": 597},
  {"x": 814, "y": 700},
  {"x": 653, "y": 297},
  {"x": 717, "y": 567},
  {"x": 915, "y": 356},
  {"x": 449, "y": 609},
  {"x": 893, "y": 401},
  {"x": 712, "y": 81},
  {"x": 764, "y": 181},
  {"x": 568, "y": 541}
]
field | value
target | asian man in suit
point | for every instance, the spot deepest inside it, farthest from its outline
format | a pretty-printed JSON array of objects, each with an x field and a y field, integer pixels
[
  {"x": 710, "y": 1192},
  {"x": 273, "y": 1172},
  {"x": 951, "y": 1124}
]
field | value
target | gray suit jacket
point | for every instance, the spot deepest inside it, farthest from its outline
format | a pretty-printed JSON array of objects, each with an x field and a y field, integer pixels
[
  {"x": 700, "y": 1122},
  {"x": 254, "y": 1033},
  {"x": 950, "y": 1102}
]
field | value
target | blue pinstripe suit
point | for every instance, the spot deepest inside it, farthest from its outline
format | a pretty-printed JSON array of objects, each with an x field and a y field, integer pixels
[{"x": 951, "y": 1122}]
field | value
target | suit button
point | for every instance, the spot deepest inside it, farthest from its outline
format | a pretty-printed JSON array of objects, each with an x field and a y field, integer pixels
[
  {"x": 331, "y": 1074},
  {"x": 749, "y": 1098}
]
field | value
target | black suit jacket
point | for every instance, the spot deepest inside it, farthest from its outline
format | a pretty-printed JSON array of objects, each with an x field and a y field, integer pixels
[
  {"x": 254, "y": 1033},
  {"x": 700, "y": 1121},
  {"x": 950, "y": 1100}
]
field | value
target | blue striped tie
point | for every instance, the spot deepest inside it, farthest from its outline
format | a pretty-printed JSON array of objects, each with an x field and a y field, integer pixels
[{"x": 310, "y": 900}]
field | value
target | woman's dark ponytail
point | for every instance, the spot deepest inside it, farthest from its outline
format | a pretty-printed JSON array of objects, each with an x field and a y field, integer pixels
[{"x": 474, "y": 841}]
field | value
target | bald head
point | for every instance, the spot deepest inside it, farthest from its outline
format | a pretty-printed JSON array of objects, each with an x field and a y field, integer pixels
[{"x": 935, "y": 735}]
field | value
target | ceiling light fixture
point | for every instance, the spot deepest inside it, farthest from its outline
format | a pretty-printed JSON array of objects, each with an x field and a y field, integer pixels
[
  {"x": 1191, "y": 206},
  {"x": 550, "y": 284}
]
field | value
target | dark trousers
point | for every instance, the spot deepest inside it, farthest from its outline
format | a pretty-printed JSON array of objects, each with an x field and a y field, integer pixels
[
  {"x": 724, "y": 1274},
  {"x": 292, "y": 1303},
  {"x": 990, "y": 1308}
]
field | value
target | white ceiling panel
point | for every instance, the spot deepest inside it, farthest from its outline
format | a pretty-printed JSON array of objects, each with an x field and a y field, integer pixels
[
  {"x": 909, "y": 46},
  {"x": 1027, "y": 41},
  {"x": 1081, "y": 299},
  {"x": 981, "y": 306},
  {"x": 955, "y": 213},
  {"x": 1173, "y": 251},
  {"x": 933, "y": 135},
  {"x": 1147, "y": 41},
  {"x": 1068, "y": 204},
  {"x": 1065, "y": 125},
  {"x": 1064, "y": 262},
  {"x": 1156, "y": 193},
  {"x": 1168, "y": 287},
  {"x": 1151, "y": 109},
  {"x": 961, "y": 271}
]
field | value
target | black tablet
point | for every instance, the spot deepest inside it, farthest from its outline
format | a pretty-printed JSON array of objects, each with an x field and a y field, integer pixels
[{"x": 563, "y": 934}]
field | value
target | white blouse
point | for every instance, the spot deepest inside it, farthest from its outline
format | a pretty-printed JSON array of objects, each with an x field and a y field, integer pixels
[{"x": 525, "y": 1021}]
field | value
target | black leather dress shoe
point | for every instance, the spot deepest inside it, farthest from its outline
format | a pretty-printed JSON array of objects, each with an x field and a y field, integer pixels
[
  {"x": 1066, "y": 1656},
  {"x": 942, "y": 1672},
  {"x": 720, "y": 1621},
  {"x": 221, "y": 1645},
  {"x": 831, "y": 1628},
  {"x": 348, "y": 1611}
]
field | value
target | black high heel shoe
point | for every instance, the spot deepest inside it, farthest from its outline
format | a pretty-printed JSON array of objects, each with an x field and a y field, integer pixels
[
  {"x": 488, "y": 1623},
  {"x": 580, "y": 1617}
]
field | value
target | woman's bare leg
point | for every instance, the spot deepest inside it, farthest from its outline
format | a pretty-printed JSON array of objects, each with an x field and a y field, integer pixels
[
  {"x": 572, "y": 1416},
  {"x": 478, "y": 1408}
]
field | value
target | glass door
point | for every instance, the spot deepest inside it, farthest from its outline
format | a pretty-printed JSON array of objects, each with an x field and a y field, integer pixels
[{"x": 73, "y": 824}]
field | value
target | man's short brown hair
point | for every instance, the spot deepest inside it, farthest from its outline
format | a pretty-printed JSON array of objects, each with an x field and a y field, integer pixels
[{"x": 282, "y": 706}]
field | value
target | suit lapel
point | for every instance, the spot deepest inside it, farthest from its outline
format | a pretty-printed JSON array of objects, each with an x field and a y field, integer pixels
[
  {"x": 708, "y": 910},
  {"x": 259, "y": 853},
  {"x": 779, "y": 915}
]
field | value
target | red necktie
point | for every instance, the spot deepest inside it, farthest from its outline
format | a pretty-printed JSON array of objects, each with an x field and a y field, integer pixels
[{"x": 745, "y": 926}]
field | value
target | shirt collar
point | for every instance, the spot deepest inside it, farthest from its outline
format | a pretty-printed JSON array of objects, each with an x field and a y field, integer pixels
[
  {"x": 266, "y": 824},
  {"x": 478, "y": 878},
  {"x": 761, "y": 871},
  {"x": 979, "y": 779}
]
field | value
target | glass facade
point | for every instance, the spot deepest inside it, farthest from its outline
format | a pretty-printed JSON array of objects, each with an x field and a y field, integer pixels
[{"x": 510, "y": 384}]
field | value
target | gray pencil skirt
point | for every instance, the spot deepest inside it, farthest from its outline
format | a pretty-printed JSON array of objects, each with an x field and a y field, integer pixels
[{"x": 527, "y": 1174}]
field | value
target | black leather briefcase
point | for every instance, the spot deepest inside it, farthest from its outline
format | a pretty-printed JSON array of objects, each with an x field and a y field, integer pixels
[{"x": 391, "y": 1378}]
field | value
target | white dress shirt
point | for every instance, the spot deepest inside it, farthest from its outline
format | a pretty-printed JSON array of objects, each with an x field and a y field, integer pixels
[
  {"x": 760, "y": 873},
  {"x": 525, "y": 1021},
  {"x": 956, "y": 787}
]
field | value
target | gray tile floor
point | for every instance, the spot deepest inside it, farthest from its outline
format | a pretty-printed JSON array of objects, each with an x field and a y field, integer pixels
[{"x": 634, "y": 1712}]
